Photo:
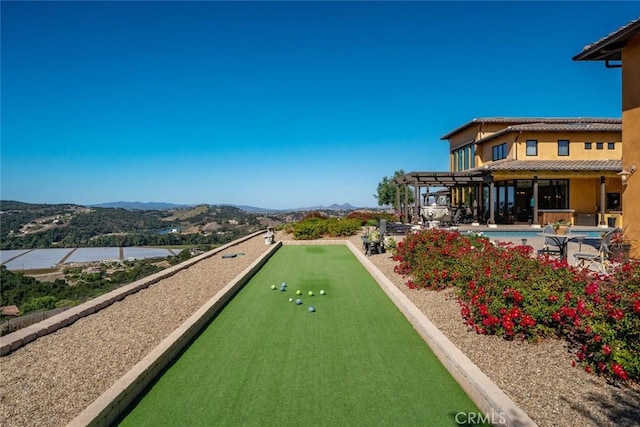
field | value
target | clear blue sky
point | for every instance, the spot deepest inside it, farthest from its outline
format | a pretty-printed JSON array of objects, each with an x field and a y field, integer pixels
[{"x": 276, "y": 104}]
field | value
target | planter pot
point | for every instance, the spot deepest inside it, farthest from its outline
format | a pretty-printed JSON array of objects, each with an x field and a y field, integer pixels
[
  {"x": 620, "y": 252},
  {"x": 561, "y": 230}
]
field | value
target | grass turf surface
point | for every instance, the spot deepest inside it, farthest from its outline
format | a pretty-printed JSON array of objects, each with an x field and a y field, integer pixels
[{"x": 267, "y": 361}]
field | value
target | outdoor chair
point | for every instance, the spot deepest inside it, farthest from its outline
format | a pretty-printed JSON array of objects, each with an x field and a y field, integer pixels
[
  {"x": 549, "y": 248},
  {"x": 373, "y": 241},
  {"x": 398, "y": 228},
  {"x": 599, "y": 260}
]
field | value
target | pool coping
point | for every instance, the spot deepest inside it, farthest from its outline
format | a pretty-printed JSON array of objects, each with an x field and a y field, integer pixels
[{"x": 497, "y": 408}]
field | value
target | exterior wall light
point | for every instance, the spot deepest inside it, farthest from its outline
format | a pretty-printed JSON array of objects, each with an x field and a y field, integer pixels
[{"x": 626, "y": 173}]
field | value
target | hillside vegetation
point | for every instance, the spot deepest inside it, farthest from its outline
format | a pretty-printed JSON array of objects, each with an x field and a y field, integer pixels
[{"x": 28, "y": 226}]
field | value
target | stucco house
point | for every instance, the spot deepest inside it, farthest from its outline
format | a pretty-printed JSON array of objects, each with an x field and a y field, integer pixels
[
  {"x": 532, "y": 170},
  {"x": 621, "y": 50}
]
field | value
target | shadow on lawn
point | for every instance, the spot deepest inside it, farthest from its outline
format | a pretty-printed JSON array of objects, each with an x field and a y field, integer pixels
[{"x": 621, "y": 407}]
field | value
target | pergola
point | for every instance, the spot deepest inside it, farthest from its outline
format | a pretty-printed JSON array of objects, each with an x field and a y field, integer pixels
[
  {"x": 418, "y": 180},
  {"x": 484, "y": 175}
]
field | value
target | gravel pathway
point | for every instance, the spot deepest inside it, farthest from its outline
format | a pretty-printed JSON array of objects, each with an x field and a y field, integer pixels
[{"x": 51, "y": 380}]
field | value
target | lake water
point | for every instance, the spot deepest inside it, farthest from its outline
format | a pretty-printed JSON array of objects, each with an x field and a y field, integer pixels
[{"x": 24, "y": 259}]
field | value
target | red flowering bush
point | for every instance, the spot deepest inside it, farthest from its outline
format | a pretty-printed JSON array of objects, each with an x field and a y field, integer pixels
[{"x": 503, "y": 291}]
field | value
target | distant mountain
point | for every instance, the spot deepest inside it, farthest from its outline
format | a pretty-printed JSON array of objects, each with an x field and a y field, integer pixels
[
  {"x": 344, "y": 206},
  {"x": 333, "y": 207},
  {"x": 160, "y": 206},
  {"x": 146, "y": 206},
  {"x": 254, "y": 209}
]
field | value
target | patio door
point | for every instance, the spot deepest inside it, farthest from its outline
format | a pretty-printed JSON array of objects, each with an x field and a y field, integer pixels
[
  {"x": 524, "y": 194},
  {"x": 505, "y": 202}
]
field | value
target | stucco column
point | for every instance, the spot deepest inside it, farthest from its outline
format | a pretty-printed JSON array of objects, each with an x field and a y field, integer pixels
[
  {"x": 406, "y": 203},
  {"x": 398, "y": 207},
  {"x": 492, "y": 219},
  {"x": 476, "y": 202},
  {"x": 416, "y": 202},
  {"x": 603, "y": 199},
  {"x": 534, "y": 214},
  {"x": 631, "y": 142}
]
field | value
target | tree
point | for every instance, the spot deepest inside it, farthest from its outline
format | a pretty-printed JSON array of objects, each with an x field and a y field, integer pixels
[{"x": 387, "y": 191}]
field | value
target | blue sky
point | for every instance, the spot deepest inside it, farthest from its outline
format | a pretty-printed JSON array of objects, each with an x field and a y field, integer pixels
[{"x": 276, "y": 104}]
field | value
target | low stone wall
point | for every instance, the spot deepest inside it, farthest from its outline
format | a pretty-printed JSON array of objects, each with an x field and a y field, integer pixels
[
  {"x": 17, "y": 339},
  {"x": 21, "y": 322}
]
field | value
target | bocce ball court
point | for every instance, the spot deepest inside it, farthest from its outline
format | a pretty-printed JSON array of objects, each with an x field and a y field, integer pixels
[{"x": 265, "y": 360}]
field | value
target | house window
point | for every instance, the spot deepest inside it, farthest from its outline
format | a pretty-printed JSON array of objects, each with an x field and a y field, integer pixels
[
  {"x": 500, "y": 151},
  {"x": 587, "y": 146},
  {"x": 472, "y": 155},
  {"x": 611, "y": 145},
  {"x": 467, "y": 156},
  {"x": 553, "y": 194},
  {"x": 532, "y": 147},
  {"x": 599, "y": 145},
  {"x": 613, "y": 201},
  {"x": 563, "y": 147}
]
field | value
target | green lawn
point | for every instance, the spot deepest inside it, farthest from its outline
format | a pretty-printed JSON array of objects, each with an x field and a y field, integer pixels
[{"x": 266, "y": 361}]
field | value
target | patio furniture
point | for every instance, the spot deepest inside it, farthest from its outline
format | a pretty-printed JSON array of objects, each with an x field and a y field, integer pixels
[
  {"x": 373, "y": 241},
  {"x": 599, "y": 260},
  {"x": 398, "y": 228},
  {"x": 561, "y": 241},
  {"x": 547, "y": 249}
]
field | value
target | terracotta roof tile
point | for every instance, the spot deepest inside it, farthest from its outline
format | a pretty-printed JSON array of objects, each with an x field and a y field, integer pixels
[
  {"x": 529, "y": 120},
  {"x": 554, "y": 165},
  {"x": 609, "y": 47},
  {"x": 557, "y": 127}
]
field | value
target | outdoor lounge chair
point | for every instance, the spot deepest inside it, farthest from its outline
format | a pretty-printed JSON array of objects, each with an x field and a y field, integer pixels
[
  {"x": 599, "y": 260},
  {"x": 549, "y": 247}
]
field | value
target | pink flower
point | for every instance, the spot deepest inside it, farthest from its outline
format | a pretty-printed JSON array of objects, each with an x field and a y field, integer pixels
[{"x": 591, "y": 288}]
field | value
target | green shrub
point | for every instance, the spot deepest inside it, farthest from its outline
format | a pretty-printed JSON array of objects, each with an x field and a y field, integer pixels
[
  {"x": 40, "y": 304},
  {"x": 309, "y": 229},
  {"x": 316, "y": 227},
  {"x": 337, "y": 227}
]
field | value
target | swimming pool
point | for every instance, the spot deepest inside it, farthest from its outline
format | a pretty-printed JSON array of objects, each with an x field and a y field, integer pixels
[{"x": 496, "y": 234}]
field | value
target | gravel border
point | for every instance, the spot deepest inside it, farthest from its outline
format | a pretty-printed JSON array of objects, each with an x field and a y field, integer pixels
[
  {"x": 60, "y": 383},
  {"x": 52, "y": 379}
]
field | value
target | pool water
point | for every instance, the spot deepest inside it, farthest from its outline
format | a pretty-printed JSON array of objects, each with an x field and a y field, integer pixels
[{"x": 591, "y": 234}]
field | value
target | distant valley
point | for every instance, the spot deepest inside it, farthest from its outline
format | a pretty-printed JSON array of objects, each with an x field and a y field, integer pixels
[
  {"x": 124, "y": 224},
  {"x": 165, "y": 206}
]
